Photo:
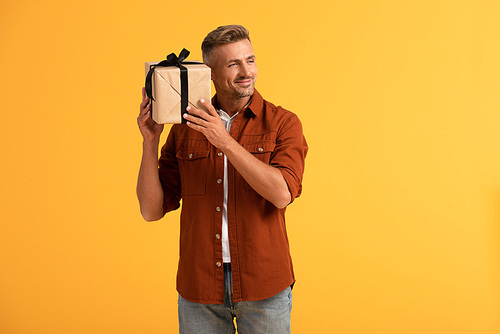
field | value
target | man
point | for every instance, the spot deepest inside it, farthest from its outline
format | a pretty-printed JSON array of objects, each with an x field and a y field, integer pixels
[{"x": 236, "y": 169}]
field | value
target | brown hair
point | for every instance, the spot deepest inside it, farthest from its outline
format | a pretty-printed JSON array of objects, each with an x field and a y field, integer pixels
[{"x": 222, "y": 35}]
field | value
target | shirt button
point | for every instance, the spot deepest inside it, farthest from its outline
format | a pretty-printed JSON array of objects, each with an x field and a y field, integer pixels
[
  {"x": 218, "y": 264},
  {"x": 217, "y": 209},
  {"x": 261, "y": 149},
  {"x": 190, "y": 155},
  {"x": 219, "y": 154},
  {"x": 219, "y": 181},
  {"x": 217, "y": 236}
]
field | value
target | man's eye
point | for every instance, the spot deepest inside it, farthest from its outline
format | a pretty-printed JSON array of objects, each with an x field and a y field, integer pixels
[{"x": 233, "y": 64}]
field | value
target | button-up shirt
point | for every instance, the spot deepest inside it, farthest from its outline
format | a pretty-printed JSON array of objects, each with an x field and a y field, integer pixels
[{"x": 190, "y": 169}]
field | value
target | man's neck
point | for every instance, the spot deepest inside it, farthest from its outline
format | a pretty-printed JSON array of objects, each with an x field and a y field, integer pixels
[{"x": 231, "y": 106}]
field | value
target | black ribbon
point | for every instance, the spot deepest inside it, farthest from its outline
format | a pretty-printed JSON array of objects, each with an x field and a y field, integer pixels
[{"x": 173, "y": 60}]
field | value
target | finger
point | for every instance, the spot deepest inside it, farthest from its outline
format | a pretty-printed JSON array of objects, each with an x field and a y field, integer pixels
[
  {"x": 144, "y": 115},
  {"x": 197, "y": 112},
  {"x": 145, "y": 108},
  {"x": 195, "y": 126},
  {"x": 145, "y": 97},
  {"x": 144, "y": 103},
  {"x": 196, "y": 120},
  {"x": 210, "y": 107}
]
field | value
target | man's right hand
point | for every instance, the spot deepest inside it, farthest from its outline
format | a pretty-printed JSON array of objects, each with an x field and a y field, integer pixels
[{"x": 150, "y": 130}]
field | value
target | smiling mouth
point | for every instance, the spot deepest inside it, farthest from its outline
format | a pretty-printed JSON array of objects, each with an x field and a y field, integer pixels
[{"x": 245, "y": 82}]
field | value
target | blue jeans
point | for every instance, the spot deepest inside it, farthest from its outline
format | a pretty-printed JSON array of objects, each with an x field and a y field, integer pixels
[{"x": 271, "y": 315}]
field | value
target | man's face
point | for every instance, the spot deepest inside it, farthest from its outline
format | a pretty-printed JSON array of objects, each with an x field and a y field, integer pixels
[{"x": 234, "y": 70}]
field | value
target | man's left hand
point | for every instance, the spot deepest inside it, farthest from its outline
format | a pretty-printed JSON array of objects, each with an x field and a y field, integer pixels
[{"x": 210, "y": 124}]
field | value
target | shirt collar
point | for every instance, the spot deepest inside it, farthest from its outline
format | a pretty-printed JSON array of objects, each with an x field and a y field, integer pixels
[
  {"x": 224, "y": 115},
  {"x": 256, "y": 104}
]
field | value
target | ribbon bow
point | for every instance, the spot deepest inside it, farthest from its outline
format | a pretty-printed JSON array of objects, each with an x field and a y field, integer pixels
[{"x": 172, "y": 60}]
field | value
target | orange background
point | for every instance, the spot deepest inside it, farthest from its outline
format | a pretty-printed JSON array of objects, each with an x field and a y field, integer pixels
[{"x": 398, "y": 227}]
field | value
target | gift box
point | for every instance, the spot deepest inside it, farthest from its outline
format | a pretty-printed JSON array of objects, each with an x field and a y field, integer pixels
[{"x": 173, "y": 84}]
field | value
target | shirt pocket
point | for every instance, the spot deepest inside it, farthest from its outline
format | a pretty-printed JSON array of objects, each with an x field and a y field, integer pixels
[
  {"x": 193, "y": 171},
  {"x": 261, "y": 150}
]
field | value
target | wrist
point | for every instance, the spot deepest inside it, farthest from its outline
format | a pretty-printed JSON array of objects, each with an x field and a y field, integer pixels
[
  {"x": 151, "y": 144},
  {"x": 227, "y": 144}
]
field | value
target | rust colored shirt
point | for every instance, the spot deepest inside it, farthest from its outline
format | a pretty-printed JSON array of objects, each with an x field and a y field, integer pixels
[{"x": 193, "y": 169}]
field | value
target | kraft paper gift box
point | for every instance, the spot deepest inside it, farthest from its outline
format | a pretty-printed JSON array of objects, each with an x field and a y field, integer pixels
[{"x": 172, "y": 91}]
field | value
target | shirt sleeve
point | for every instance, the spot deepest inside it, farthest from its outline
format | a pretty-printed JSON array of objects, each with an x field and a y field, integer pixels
[
  {"x": 290, "y": 153},
  {"x": 168, "y": 170}
]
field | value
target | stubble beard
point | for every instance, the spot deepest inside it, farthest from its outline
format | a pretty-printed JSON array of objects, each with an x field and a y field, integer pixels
[{"x": 240, "y": 93}]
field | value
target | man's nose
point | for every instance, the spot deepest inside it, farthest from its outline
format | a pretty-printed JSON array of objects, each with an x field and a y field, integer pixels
[{"x": 244, "y": 70}]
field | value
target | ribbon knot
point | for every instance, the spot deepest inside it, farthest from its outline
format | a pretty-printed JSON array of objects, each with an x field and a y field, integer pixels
[{"x": 171, "y": 60}]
